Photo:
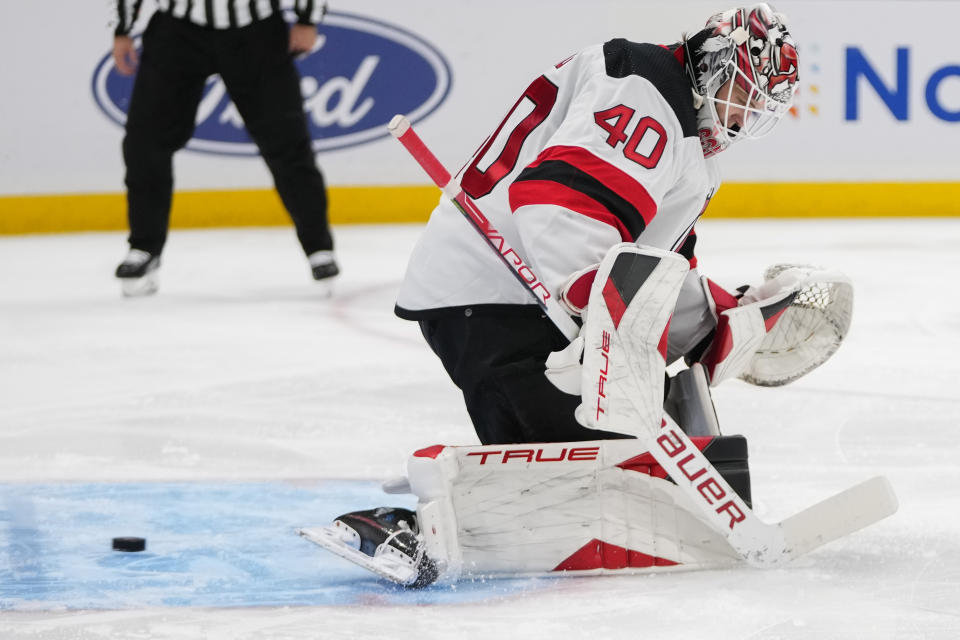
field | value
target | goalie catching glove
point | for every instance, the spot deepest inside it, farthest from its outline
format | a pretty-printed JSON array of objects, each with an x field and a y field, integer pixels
[
  {"x": 768, "y": 334},
  {"x": 779, "y": 330}
]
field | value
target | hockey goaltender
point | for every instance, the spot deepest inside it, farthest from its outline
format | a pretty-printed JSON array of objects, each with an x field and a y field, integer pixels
[{"x": 557, "y": 323}]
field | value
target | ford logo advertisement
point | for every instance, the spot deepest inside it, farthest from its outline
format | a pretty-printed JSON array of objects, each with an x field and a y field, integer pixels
[{"x": 361, "y": 74}]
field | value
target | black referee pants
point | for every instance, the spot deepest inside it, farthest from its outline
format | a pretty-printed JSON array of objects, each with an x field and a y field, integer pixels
[
  {"x": 496, "y": 355},
  {"x": 263, "y": 82}
]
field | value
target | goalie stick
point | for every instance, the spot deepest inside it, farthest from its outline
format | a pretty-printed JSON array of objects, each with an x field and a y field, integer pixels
[
  {"x": 759, "y": 543},
  {"x": 401, "y": 130}
]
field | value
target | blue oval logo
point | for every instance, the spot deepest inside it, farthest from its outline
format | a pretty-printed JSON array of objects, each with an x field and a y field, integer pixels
[{"x": 362, "y": 73}]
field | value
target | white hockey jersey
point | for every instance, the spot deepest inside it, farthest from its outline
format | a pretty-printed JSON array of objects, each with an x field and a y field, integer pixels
[{"x": 601, "y": 149}]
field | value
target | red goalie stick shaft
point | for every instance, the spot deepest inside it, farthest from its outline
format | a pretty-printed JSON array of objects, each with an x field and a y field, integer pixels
[{"x": 400, "y": 129}]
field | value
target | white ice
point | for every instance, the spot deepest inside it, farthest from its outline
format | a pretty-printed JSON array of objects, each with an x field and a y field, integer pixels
[{"x": 238, "y": 370}]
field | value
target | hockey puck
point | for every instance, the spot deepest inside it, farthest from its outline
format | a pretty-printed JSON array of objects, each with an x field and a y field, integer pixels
[{"x": 129, "y": 544}]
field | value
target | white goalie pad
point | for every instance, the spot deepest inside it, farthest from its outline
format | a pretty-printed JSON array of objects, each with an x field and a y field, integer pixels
[
  {"x": 597, "y": 507},
  {"x": 808, "y": 332},
  {"x": 578, "y": 508},
  {"x": 624, "y": 334}
]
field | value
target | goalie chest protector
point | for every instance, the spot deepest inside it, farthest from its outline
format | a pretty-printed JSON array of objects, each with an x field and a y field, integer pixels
[{"x": 600, "y": 149}]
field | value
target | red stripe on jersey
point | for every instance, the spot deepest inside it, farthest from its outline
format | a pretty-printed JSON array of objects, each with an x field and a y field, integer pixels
[
  {"x": 530, "y": 192},
  {"x": 622, "y": 183}
]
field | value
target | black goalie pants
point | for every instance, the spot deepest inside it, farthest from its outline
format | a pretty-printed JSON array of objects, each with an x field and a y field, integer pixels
[
  {"x": 260, "y": 76},
  {"x": 496, "y": 355}
]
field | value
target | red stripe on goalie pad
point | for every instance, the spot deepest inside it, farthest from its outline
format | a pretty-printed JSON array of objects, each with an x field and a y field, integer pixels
[
  {"x": 646, "y": 464},
  {"x": 615, "y": 303},
  {"x": 662, "y": 347},
  {"x": 598, "y": 554},
  {"x": 430, "y": 452}
]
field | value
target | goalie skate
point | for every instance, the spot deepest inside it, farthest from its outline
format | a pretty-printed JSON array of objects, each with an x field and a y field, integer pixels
[{"x": 380, "y": 540}]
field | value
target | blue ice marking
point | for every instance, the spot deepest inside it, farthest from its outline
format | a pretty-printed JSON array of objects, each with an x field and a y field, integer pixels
[{"x": 208, "y": 545}]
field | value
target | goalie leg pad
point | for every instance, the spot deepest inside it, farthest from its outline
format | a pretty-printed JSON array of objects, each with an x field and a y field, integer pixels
[
  {"x": 581, "y": 507},
  {"x": 625, "y": 333}
]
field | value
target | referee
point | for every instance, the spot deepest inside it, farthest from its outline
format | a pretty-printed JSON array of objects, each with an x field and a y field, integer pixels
[{"x": 250, "y": 45}]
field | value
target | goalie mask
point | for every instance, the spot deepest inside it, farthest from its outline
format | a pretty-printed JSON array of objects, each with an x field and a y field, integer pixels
[{"x": 743, "y": 66}]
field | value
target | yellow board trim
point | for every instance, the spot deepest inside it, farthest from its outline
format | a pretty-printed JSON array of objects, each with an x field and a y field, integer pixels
[{"x": 398, "y": 204}]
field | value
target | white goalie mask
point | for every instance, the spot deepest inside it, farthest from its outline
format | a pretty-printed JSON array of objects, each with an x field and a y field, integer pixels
[{"x": 743, "y": 65}]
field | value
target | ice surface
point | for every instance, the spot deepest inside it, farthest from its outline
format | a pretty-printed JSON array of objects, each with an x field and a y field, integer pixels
[{"x": 237, "y": 404}]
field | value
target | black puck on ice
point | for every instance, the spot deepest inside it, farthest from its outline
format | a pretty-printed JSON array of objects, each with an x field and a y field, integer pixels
[{"x": 129, "y": 544}]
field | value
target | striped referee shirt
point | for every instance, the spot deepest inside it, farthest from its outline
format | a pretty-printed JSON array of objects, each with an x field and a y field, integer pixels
[{"x": 219, "y": 14}]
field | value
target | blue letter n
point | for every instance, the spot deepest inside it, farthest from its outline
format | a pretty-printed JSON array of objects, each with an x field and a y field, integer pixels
[{"x": 896, "y": 99}]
